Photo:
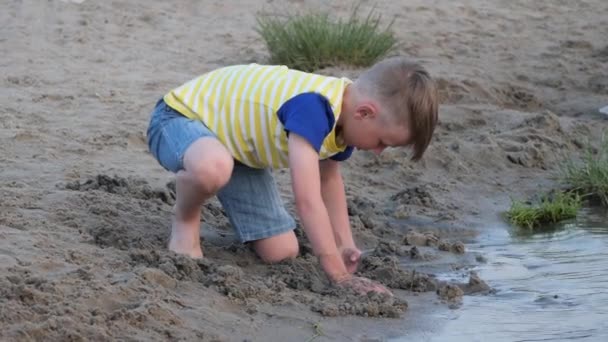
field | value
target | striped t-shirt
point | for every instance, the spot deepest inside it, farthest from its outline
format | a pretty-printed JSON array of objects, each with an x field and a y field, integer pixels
[{"x": 252, "y": 108}]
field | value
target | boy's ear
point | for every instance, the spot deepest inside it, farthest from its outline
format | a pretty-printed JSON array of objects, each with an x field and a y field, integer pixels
[{"x": 366, "y": 110}]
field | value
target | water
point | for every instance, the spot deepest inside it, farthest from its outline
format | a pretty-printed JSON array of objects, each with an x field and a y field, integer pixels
[{"x": 551, "y": 286}]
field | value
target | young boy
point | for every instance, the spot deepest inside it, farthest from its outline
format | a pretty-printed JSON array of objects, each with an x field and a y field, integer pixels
[{"x": 224, "y": 131}]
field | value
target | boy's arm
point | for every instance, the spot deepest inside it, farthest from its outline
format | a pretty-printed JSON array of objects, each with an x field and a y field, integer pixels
[
  {"x": 332, "y": 190},
  {"x": 306, "y": 182}
]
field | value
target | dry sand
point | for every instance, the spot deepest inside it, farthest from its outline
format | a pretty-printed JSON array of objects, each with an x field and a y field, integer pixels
[{"x": 84, "y": 208}]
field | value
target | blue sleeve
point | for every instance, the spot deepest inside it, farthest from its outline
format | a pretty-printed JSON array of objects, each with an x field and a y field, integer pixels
[
  {"x": 342, "y": 156},
  {"x": 308, "y": 115}
]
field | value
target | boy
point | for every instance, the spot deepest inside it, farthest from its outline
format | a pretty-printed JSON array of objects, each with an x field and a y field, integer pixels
[{"x": 223, "y": 131}]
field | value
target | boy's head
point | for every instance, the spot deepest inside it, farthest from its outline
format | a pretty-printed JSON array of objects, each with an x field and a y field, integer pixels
[{"x": 394, "y": 103}]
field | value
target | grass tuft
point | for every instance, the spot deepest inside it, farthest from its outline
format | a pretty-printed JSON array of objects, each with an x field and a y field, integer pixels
[
  {"x": 550, "y": 209},
  {"x": 316, "y": 40},
  {"x": 590, "y": 177}
]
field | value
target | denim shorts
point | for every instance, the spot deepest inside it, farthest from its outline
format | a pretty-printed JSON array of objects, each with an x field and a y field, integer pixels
[{"x": 251, "y": 199}]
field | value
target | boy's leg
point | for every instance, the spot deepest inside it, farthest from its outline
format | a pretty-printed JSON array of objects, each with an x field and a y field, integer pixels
[
  {"x": 255, "y": 209},
  {"x": 202, "y": 164},
  {"x": 277, "y": 248},
  {"x": 207, "y": 166}
]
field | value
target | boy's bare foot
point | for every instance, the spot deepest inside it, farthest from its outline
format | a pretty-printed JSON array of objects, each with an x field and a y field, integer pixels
[{"x": 185, "y": 237}]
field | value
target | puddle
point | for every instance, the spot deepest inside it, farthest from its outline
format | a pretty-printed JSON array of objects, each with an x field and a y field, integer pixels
[{"x": 550, "y": 286}]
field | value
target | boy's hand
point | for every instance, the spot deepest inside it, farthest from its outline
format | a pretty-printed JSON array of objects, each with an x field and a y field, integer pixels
[
  {"x": 363, "y": 285},
  {"x": 351, "y": 257}
]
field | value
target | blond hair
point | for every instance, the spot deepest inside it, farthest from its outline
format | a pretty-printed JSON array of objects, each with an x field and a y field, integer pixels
[{"x": 407, "y": 90}]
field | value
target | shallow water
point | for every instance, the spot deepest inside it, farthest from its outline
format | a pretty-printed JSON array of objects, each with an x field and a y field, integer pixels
[{"x": 551, "y": 286}]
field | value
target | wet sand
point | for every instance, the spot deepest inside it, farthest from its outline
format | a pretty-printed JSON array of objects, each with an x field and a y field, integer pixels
[{"x": 84, "y": 209}]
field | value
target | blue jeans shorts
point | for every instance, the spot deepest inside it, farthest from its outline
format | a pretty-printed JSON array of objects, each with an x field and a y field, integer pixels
[{"x": 250, "y": 199}]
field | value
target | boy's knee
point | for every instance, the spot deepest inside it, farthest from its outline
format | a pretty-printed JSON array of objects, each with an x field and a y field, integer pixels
[
  {"x": 212, "y": 173},
  {"x": 277, "y": 249},
  {"x": 287, "y": 253},
  {"x": 209, "y": 164},
  {"x": 290, "y": 252}
]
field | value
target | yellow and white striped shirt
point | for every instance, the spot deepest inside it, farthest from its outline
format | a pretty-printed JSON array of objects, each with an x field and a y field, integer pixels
[{"x": 240, "y": 103}]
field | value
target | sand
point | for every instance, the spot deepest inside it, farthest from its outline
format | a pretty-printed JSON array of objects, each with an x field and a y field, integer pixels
[{"x": 84, "y": 208}]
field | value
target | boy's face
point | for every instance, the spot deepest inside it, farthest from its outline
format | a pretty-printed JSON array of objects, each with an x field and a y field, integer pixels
[{"x": 371, "y": 129}]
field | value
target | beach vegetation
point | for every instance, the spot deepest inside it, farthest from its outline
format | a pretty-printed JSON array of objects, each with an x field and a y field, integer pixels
[
  {"x": 589, "y": 177},
  {"x": 550, "y": 208},
  {"x": 315, "y": 40}
]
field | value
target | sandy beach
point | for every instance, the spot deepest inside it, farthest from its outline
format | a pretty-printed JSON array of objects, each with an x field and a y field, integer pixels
[{"x": 85, "y": 209}]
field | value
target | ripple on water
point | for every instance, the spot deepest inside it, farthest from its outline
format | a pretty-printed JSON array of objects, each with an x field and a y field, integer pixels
[{"x": 551, "y": 286}]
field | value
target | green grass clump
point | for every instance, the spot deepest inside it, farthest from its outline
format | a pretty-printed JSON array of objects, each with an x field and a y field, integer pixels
[
  {"x": 550, "y": 209},
  {"x": 591, "y": 176},
  {"x": 315, "y": 40}
]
